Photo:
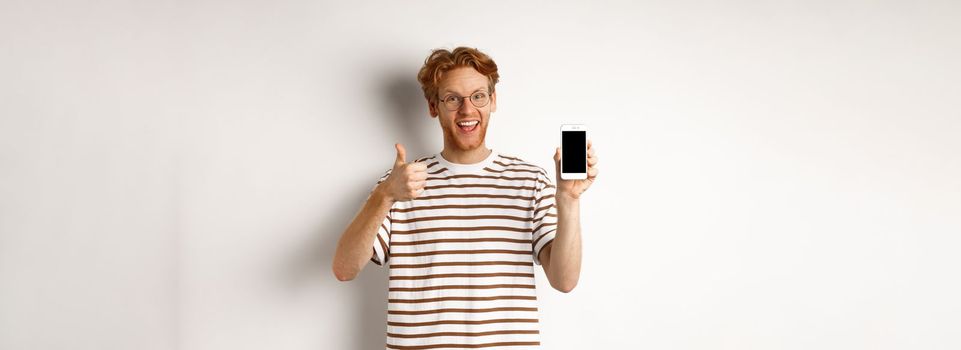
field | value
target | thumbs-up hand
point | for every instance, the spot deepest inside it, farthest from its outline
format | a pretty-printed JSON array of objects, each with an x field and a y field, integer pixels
[{"x": 406, "y": 180}]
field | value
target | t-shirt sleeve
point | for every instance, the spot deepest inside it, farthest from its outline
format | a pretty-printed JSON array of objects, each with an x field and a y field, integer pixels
[
  {"x": 544, "y": 215},
  {"x": 381, "y": 245}
]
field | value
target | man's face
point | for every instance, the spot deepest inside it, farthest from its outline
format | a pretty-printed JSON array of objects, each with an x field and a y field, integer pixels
[{"x": 463, "y": 82}]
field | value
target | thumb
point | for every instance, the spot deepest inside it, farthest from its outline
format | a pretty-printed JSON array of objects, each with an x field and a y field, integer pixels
[
  {"x": 557, "y": 154},
  {"x": 401, "y": 154}
]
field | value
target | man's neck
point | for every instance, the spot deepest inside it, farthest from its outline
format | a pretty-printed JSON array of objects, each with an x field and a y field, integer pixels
[{"x": 473, "y": 156}]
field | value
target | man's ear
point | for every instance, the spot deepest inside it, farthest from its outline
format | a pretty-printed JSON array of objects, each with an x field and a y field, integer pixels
[
  {"x": 432, "y": 107},
  {"x": 493, "y": 102}
]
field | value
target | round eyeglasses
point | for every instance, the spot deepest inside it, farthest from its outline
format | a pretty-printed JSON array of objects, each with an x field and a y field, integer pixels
[{"x": 478, "y": 99}]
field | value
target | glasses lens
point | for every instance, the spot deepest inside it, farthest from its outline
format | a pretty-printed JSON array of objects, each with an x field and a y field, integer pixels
[
  {"x": 479, "y": 99},
  {"x": 452, "y": 102}
]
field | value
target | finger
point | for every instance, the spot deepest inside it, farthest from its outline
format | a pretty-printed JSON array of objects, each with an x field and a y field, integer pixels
[
  {"x": 418, "y": 167},
  {"x": 418, "y": 176},
  {"x": 592, "y": 172},
  {"x": 401, "y": 154},
  {"x": 590, "y": 151},
  {"x": 416, "y": 193},
  {"x": 591, "y": 161},
  {"x": 557, "y": 154}
]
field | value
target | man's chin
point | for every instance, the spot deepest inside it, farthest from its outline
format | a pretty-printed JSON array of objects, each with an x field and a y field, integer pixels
[
  {"x": 467, "y": 147},
  {"x": 467, "y": 143}
]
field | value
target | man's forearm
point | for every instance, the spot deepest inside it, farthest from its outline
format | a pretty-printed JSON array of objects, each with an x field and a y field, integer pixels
[
  {"x": 354, "y": 247},
  {"x": 565, "y": 256}
]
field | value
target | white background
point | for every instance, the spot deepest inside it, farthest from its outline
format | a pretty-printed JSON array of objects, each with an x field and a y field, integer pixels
[{"x": 774, "y": 175}]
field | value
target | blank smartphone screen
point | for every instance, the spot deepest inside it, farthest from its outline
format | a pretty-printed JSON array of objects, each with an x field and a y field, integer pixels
[{"x": 573, "y": 152}]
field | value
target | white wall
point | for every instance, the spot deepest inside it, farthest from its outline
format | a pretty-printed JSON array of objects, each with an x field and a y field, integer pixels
[{"x": 775, "y": 175}]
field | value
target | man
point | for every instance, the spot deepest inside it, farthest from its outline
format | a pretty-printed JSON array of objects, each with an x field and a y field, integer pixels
[{"x": 462, "y": 230}]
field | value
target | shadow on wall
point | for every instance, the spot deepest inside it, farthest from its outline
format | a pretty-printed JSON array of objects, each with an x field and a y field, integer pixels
[
  {"x": 409, "y": 118},
  {"x": 369, "y": 289}
]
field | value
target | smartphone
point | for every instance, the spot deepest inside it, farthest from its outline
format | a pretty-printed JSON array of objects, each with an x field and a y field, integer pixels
[{"x": 573, "y": 152}]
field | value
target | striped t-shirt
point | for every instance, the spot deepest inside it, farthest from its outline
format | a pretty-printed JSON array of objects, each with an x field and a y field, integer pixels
[{"x": 462, "y": 255}]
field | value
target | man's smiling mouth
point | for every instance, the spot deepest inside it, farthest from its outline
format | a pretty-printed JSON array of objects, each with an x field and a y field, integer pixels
[{"x": 467, "y": 126}]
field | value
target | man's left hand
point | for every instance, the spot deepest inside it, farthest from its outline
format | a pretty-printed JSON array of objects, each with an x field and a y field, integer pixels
[{"x": 573, "y": 189}]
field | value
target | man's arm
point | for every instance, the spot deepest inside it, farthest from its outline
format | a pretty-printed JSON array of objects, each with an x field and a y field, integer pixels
[
  {"x": 354, "y": 247},
  {"x": 405, "y": 182},
  {"x": 563, "y": 266},
  {"x": 563, "y": 269}
]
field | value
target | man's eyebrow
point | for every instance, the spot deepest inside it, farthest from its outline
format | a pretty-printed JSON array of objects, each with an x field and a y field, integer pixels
[{"x": 478, "y": 89}]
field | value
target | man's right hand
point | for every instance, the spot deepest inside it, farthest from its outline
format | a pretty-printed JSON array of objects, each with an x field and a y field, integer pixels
[{"x": 406, "y": 180}]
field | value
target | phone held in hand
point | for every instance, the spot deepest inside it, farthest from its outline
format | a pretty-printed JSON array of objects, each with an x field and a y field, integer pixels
[{"x": 573, "y": 152}]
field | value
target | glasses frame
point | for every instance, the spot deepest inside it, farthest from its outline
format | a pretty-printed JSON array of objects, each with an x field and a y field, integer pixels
[{"x": 462, "y": 98}]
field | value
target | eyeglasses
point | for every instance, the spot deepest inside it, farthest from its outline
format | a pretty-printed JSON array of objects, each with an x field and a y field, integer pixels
[{"x": 478, "y": 99}]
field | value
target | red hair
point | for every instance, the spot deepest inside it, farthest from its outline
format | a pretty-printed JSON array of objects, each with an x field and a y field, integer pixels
[{"x": 441, "y": 61}]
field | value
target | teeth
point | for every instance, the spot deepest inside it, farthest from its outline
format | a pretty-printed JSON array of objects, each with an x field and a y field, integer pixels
[{"x": 470, "y": 123}]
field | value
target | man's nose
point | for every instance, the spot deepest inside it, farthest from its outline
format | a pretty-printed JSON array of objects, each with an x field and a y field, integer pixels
[{"x": 465, "y": 107}]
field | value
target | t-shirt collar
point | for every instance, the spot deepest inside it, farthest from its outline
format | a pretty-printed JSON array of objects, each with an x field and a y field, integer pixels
[{"x": 467, "y": 168}]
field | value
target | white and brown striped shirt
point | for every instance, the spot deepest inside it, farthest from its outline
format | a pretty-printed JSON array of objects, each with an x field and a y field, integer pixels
[{"x": 462, "y": 256}]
